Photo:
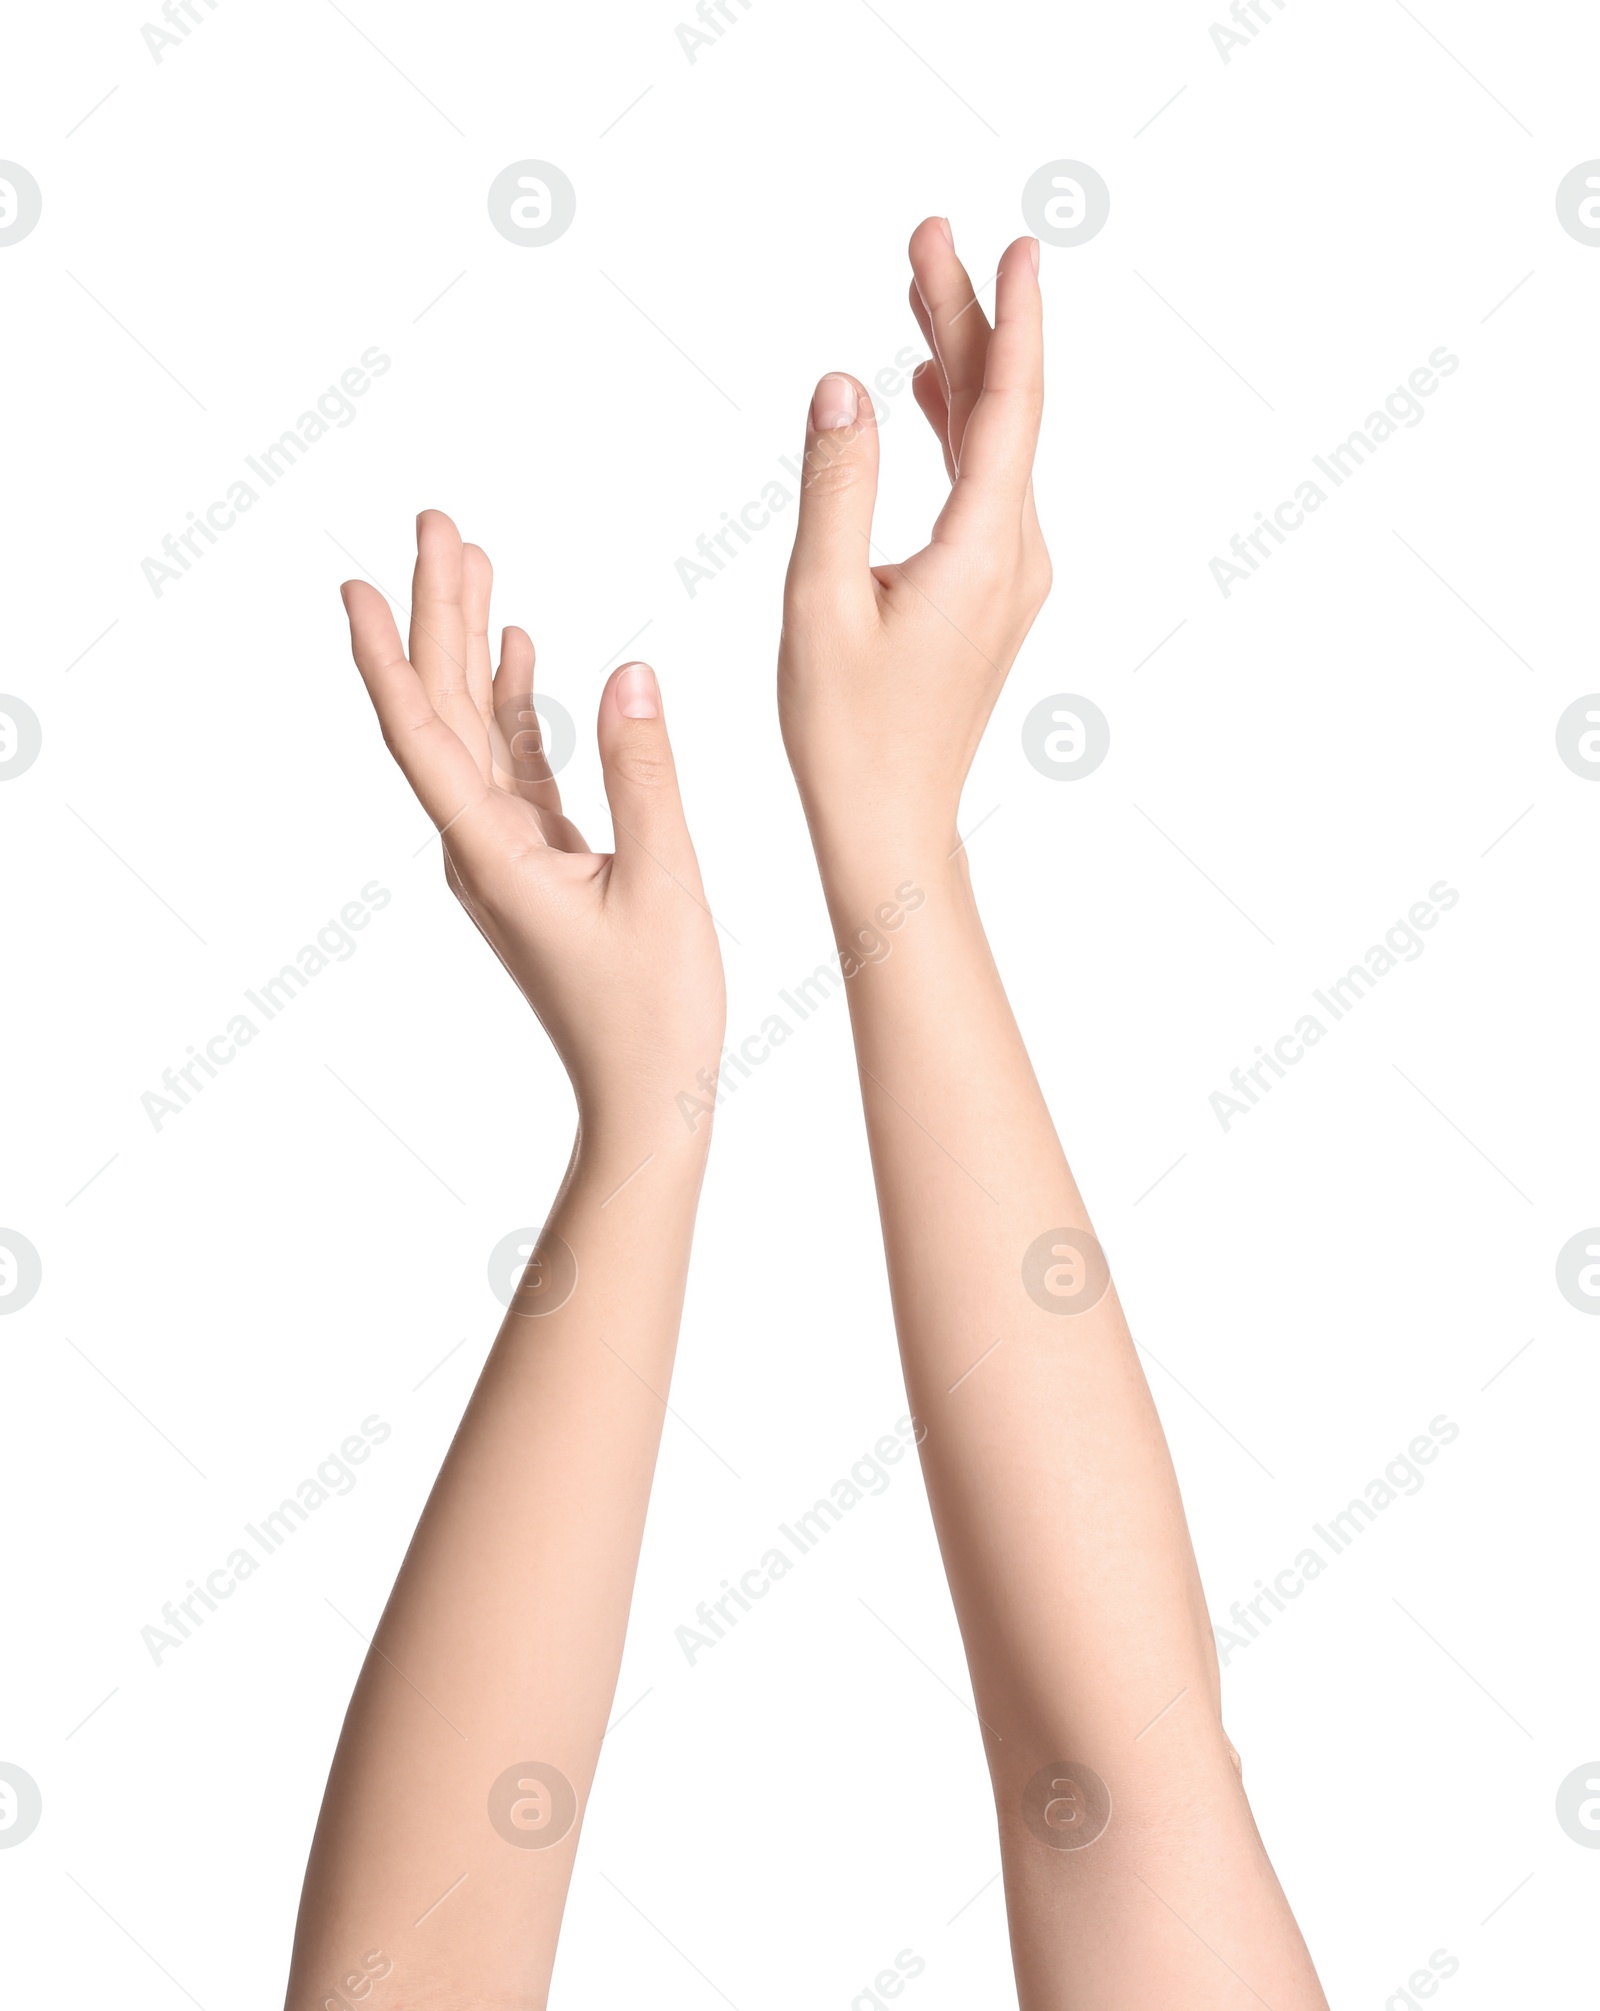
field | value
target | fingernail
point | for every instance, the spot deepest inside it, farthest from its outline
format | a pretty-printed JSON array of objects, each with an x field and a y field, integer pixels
[
  {"x": 637, "y": 692},
  {"x": 949, "y": 234},
  {"x": 1033, "y": 252},
  {"x": 833, "y": 405}
]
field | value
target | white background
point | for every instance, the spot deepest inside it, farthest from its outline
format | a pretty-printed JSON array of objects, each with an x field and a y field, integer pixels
[{"x": 1291, "y": 770}]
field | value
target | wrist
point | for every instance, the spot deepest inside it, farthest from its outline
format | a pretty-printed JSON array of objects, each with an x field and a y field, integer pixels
[
  {"x": 867, "y": 874},
  {"x": 870, "y": 846},
  {"x": 664, "y": 1122}
]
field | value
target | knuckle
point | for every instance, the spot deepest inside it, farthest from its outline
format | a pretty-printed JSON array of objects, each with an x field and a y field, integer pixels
[
  {"x": 990, "y": 571},
  {"x": 809, "y": 592},
  {"x": 830, "y": 479},
  {"x": 822, "y": 604},
  {"x": 834, "y": 463},
  {"x": 644, "y": 768}
]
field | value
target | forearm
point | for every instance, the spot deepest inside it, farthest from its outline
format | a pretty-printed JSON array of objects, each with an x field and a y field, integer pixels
[
  {"x": 1045, "y": 1460},
  {"x": 1052, "y": 1491},
  {"x": 501, "y": 1641},
  {"x": 1051, "y": 1488}
]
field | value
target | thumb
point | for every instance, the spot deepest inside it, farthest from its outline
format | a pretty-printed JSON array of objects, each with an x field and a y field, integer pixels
[
  {"x": 832, "y": 541},
  {"x": 641, "y": 780}
]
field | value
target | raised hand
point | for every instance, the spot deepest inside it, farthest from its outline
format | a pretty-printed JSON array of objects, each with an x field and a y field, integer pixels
[
  {"x": 1134, "y": 1874},
  {"x": 507, "y": 1619},
  {"x": 888, "y": 672},
  {"x": 616, "y": 952}
]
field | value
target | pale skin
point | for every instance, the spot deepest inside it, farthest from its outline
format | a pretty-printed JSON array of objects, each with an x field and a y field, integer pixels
[
  {"x": 501, "y": 1640},
  {"x": 1053, "y": 1494}
]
